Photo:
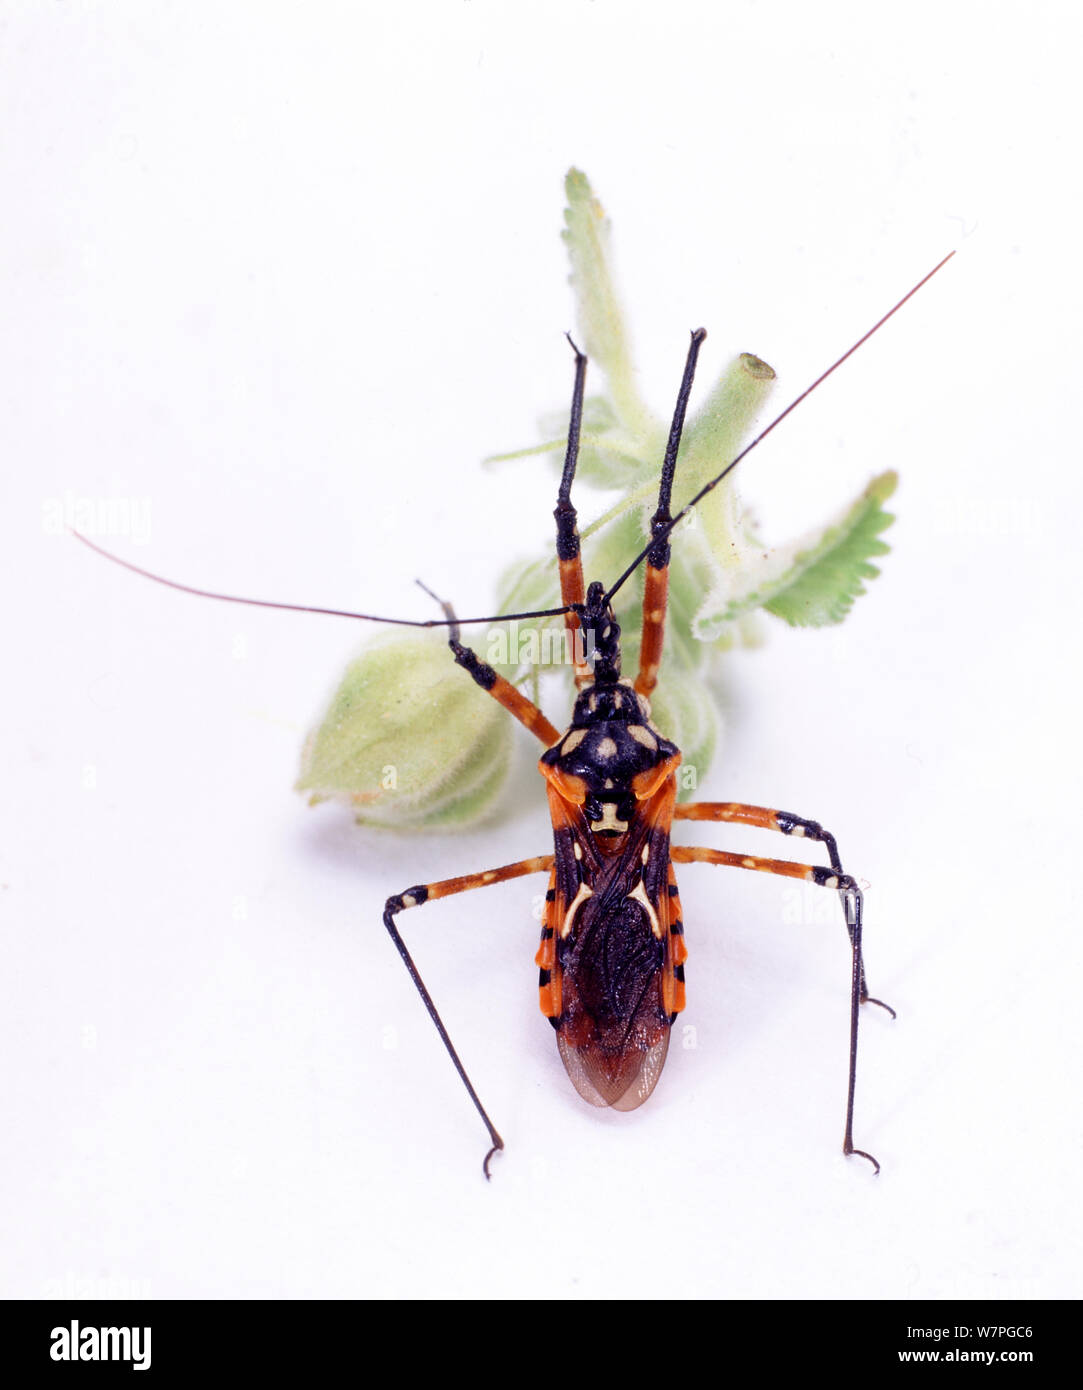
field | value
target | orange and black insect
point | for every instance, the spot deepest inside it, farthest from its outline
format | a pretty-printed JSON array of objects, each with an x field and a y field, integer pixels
[{"x": 612, "y": 949}]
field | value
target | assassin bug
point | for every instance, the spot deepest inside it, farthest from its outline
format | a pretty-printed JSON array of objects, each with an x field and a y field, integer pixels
[{"x": 612, "y": 950}]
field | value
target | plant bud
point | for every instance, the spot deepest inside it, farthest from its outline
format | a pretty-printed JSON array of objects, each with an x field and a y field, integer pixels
[{"x": 408, "y": 740}]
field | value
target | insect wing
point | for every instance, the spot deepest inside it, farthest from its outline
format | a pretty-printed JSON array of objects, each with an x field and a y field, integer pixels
[{"x": 611, "y": 977}]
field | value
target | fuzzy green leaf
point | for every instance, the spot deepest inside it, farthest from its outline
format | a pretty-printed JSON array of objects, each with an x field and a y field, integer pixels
[
  {"x": 601, "y": 320},
  {"x": 811, "y": 582}
]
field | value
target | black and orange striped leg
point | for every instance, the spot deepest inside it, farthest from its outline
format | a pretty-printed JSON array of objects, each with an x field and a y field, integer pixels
[
  {"x": 513, "y": 700},
  {"x": 739, "y": 813},
  {"x": 656, "y": 590},
  {"x": 825, "y": 878},
  {"x": 569, "y": 558},
  {"x": 502, "y": 691},
  {"x": 428, "y": 892}
]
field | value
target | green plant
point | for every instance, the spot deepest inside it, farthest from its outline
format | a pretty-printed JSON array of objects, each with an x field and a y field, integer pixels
[{"x": 408, "y": 742}]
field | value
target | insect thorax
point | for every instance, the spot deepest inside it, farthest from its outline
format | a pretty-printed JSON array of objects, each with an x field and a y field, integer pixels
[{"x": 610, "y": 743}]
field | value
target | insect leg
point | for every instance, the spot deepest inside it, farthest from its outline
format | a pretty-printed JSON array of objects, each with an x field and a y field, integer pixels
[
  {"x": 825, "y": 878},
  {"x": 738, "y": 813},
  {"x": 569, "y": 558},
  {"x": 502, "y": 691},
  {"x": 656, "y": 587},
  {"x": 514, "y": 701},
  {"x": 427, "y": 892}
]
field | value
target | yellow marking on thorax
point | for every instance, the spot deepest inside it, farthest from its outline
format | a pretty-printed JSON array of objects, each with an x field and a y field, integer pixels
[
  {"x": 643, "y": 735},
  {"x": 609, "y": 819},
  {"x": 573, "y": 740}
]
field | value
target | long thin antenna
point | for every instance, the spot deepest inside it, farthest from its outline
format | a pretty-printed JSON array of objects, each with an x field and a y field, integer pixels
[
  {"x": 660, "y": 536},
  {"x": 305, "y": 608},
  {"x": 708, "y": 487}
]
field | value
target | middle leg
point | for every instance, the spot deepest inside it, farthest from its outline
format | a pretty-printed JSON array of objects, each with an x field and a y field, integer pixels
[{"x": 740, "y": 813}]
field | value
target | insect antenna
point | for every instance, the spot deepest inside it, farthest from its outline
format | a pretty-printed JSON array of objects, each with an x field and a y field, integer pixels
[
  {"x": 666, "y": 529},
  {"x": 450, "y": 616},
  {"x": 662, "y": 524},
  {"x": 449, "y": 619}
]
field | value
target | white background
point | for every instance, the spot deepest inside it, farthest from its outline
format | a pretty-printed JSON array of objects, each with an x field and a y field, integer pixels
[{"x": 289, "y": 272}]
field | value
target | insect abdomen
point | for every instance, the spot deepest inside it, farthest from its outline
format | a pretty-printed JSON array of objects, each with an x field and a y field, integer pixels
[{"x": 613, "y": 1027}]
